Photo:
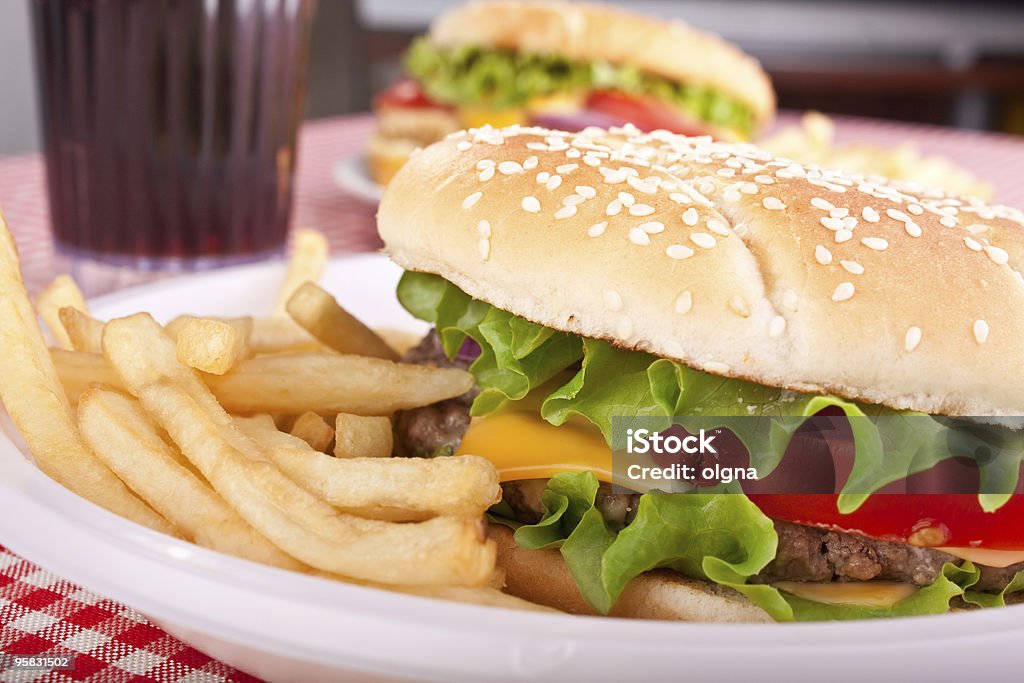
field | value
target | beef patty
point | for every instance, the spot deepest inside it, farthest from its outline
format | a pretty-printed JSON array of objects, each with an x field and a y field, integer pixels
[{"x": 804, "y": 553}]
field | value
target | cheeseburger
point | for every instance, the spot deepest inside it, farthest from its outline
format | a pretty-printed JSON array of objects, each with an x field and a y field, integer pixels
[
  {"x": 567, "y": 66},
  {"x": 585, "y": 278}
]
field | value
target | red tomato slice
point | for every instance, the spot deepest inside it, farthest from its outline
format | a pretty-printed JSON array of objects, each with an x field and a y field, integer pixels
[
  {"x": 645, "y": 113},
  {"x": 405, "y": 92},
  {"x": 953, "y": 520}
]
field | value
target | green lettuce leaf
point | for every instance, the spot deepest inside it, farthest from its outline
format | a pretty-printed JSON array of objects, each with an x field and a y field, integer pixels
[
  {"x": 518, "y": 357},
  {"x": 722, "y": 538},
  {"x": 502, "y": 79}
]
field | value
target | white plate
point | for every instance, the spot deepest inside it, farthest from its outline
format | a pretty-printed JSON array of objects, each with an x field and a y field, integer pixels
[
  {"x": 353, "y": 175},
  {"x": 290, "y": 627}
]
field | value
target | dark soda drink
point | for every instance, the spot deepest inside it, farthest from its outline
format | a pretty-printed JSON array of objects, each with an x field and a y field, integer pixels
[{"x": 169, "y": 126}]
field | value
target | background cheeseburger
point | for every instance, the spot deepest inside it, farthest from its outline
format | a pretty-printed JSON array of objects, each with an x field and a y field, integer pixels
[
  {"x": 583, "y": 277},
  {"x": 565, "y": 65}
]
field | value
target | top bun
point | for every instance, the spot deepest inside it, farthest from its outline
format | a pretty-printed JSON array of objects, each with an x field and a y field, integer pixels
[
  {"x": 591, "y": 32},
  {"x": 727, "y": 259}
]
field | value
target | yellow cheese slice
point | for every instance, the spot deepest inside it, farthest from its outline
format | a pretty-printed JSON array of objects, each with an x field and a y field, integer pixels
[
  {"x": 862, "y": 594},
  {"x": 477, "y": 117},
  {"x": 523, "y": 446},
  {"x": 987, "y": 557}
]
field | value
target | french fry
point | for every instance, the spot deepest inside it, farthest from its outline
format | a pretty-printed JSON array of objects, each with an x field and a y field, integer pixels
[
  {"x": 439, "y": 551},
  {"x": 314, "y": 430},
  {"x": 309, "y": 257},
  {"x": 359, "y": 436},
  {"x": 331, "y": 383},
  {"x": 122, "y": 435},
  {"x": 297, "y": 383},
  {"x": 213, "y": 346},
  {"x": 35, "y": 400},
  {"x": 324, "y": 318},
  {"x": 421, "y": 487},
  {"x": 61, "y": 293},
  {"x": 84, "y": 332},
  {"x": 269, "y": 335}
]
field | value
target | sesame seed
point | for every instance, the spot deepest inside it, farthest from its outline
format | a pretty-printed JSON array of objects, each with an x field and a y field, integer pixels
[
  {"x": 843, "y": 235},
  {"x": 680, "y": 198},
  {"x": 615, "y": 177},
  {"x": 543, "y": 177},
  {"x": 531, "y": 204},
  {"x": 612, "y": 300},
  {"x": 484, "y": 163},
  {"x": 679, "y": 251},
  {"x": 843, "y": 292},
  {"x": 790, "y": 300},
  {"x": 510, "y": 168},
  {"x": 484, "y": 247},
  {"x": 726, "y": 172},
  {"x": 764, "y": 179},
  {"x": 912, "y": 338},
  {"x": 773, "y": 204},
  {"x": 915, "y": 209},
  {"x": 641, "y": 210},
  {"x": 586, "y": 191},
  {"x": 976, "y": 228},
  {"x": 972, "y": 244},
  {"x": 715, "y": 366},
  {"x": 536, "y": 146},
  {"x": 739, "y": 306},
  {"x": 849, "y": 222},
  {"x": 573, "y": 199},
  {"x": 591, "y": 161},
  {"x": 484, "y": 228},
  {"x": 472, "y": 199},
  {"x": 718, "y": 227},
  {"x": 981, "y": 331},
  {"x": 566, "y": 168},
  {"x": 684, "y": 302},
  {"x": 852, "y": 267},
  {"x": 749, "y": 188},
  {"x": 897, "y": 215},
  {"x": 690, "y": 216},
  {"x": 553, "y": 182},
  {"x": 948, "y": 221},
  {"x": 639, "y": 236},
  {"x": 652, "y": 227},
  {"x": 597, "y": 229},
  {"x": 823, "y": 204},
  {"x": 822, "y": 255},
  {"x": 997, "y": 255},
  {"x": 842, "y": 212},
  {"x": 573, "y": 153},
  {"x": 832, "y": 223},
  {"x": 486, "y": 174},
  {"x": 876, "y": 243},
  {"x": 614, "y": 208},
  {"x": 566, "y": 212},
  {"x": 870, "y": 215},
  {"x": 702, "y": 239},
  {"x": 777, "y": 326},
  {"x": 627, "y": 199},
  {"x": 731, "y": 195},
  {"x": 464, "y": 146},
  {"x": 912, "y": 228}
]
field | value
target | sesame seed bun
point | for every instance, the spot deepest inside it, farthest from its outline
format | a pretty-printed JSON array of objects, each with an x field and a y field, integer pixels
[
  {"x": 541, "y": 576},
  {"x": 727, "y": 259},
  {"x": 592, "y": 32}
]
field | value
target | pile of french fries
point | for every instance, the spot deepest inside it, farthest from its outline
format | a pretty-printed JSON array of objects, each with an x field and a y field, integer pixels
[{"x": 266, "y": 438}]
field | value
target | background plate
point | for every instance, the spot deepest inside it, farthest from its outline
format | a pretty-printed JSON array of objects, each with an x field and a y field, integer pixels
[
  {"x": 289, "y": 627},
  {"x": 353, "y": 176}
]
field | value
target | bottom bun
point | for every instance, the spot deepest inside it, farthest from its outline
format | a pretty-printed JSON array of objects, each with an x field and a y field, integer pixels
[
  {"x": 541, "y": 576},
  {"x": 386, "y": 155}
]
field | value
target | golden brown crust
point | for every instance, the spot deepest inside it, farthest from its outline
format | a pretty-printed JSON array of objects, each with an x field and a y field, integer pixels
[
  {"x": 541, "y": 576},
  {"x": 728, "y": 260},
  {"x": 594, "y": 32}
]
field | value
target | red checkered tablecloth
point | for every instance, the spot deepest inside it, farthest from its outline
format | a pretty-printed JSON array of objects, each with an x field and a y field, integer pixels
[{"x": 41, "y": 613}]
